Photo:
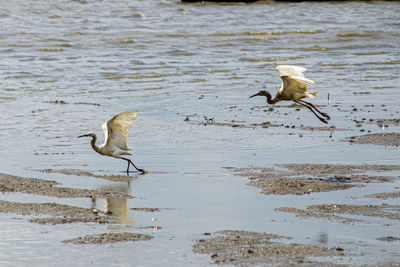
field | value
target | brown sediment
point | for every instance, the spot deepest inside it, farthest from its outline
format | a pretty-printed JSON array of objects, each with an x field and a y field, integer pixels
[
  {"x": 322, "y": 170},
  {"x": 275, "y": 182},
  {"x": 312, "y": 214},
  {"x": 146, "y": 209},
  {"x": 234, "y": 124},
  {"x": 321, "y": 177},
  {"x": 118, "y": 178},
  {"x": 267, "y": 124},
  {"x": 108, "y": 238},
  {"x": 384, "y": 139},
  {"x": 12, "y": 183},
  {"x": 75, "y": 219},
  {"x": 385, "y": 195},
  {"x": 385, "y": 122},
  {"x": 245, "y": 248},
  {"x": 331, "y": 211},
  {"x": 321, "y": 128},
  {"x": 389, "y": 239},
  {"x": 62, "y": 213},
  {"x": 298, "y": 186},
  {"x": 382, "y": 211}
]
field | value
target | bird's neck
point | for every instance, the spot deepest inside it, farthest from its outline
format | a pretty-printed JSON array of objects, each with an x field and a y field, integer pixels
[
  {"x": 93, "y": 143},
  {"x": 269, "y": 99}
]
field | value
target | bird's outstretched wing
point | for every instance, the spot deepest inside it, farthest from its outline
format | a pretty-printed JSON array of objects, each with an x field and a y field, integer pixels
[
  {"x": 293, "y": 78},
  {"x": 289, "y": 70},
  {"x": 116, "y": 129}
]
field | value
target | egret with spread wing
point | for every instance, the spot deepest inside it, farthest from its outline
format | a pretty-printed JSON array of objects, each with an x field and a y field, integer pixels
[
  {"x": 115, "y": 133},
  {"x": 294, "y": 87}
]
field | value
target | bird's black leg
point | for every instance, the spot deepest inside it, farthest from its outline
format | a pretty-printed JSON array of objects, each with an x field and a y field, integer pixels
[
  {"x": 130, "y": 162},
  {"x": 322, "y": 113},
  {"x": 321, "y": 119}
]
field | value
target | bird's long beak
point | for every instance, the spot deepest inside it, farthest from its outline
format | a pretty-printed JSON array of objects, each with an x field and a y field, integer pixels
[
  {"x": 254, "y": 95},
  {"x": 82, "y": 136}
]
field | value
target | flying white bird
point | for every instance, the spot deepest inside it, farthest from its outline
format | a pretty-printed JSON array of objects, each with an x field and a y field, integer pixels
[
  {"x": 294, "y": 87},
  {"x": 115, "y": 133}
]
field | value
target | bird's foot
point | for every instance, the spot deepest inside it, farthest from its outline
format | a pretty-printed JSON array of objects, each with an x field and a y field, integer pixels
[
  {"x": 323, "y": 120},
  {"x": 138, "y": 170},
  {"x": 326, "y": 116}
]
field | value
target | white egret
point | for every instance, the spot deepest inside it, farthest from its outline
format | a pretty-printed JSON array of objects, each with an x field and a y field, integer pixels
[
  {"x": 294, "y": 88},
  {"x": 115, "y": 133}
]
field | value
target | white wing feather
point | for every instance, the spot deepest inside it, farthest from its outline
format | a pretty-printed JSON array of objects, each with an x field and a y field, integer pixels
[
  {"x": 116, "y": 129},
  {"x": 293, "y": 78},
  {"x": 289, "y": 70},
  {"x": 105, "y": 131},
  {"x": 302, "y": 80}
]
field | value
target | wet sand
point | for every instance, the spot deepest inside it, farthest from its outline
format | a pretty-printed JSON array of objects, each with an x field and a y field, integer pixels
[
  {"x": 243, "y": 124},
  {"x": 61, "y": 213},
  {"x": 231, "y": 247},
  {"x": 108, "y": 238},
  {"x": 336, "y": 212},
  {"x": 117, "y": 178},
  {"x": 243, "y": 248},
  {"x": 383, "y": 139},
  {"x": 12, "y": 183},
  {"x": 302, "y": 179},
  {"x": 385, "y": 195}
]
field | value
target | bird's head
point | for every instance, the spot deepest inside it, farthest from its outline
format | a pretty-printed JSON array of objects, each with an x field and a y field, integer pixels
[
  {"x": 90, "y": 134},
  {"x": 261, "y": 93}
]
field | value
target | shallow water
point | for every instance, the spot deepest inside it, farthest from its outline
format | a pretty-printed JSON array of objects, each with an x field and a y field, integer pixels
[{"x": 68, "y": 66}]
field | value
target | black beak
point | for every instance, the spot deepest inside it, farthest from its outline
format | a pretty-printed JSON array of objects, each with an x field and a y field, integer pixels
[
  {"x": 82, "y": 136},
  {"x": 254, "y": 95}
]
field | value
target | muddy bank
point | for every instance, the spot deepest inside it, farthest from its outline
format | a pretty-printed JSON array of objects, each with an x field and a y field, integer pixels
[
  {"x": 108, "y": 238},
  {"x": 323, "y": 170},
  {"x": 302, "y": 179},
  {"x": 312, "y": 214},
  {"x": 385, "y": 195},
  {"x": 332, "y": 211},
  {"x": 147, "y": 209},
  {"x": 388, "y": 239},
  {"x": 242, "y": 124},
  {"x": 251, "y": 248},
  {"x": 383, "y": 211},
  {"x": 117, "y": 178},
  {"x": 62, "y": 213},
  {"x": 275, "y": 182},
  {"x": 12, "y": 183},
  {"x": 384, "y": 139},
  {"x": 297, "y": 186}
]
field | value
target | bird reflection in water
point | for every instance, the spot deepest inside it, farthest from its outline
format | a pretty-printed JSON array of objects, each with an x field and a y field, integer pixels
[{"x": 116, "y": 207}]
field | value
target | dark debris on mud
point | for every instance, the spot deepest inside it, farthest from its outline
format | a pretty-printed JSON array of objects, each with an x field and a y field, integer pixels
[
  {"x": 384, "y": 139},
  {"x": 242, "y": 124},
  {"x": 146, "y": 209},
  {"x": 106, "y": 238},
  {"x": 385, "y": 195},
  {"x": 302, "y": 179},
  {"x": 320, "y": 215},
  {"x": 243, "y": 248},
  {"x": 335, "y": 212}
]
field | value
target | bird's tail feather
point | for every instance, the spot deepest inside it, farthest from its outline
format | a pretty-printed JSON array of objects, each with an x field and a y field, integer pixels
[{"x": 312, "y": 94}]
